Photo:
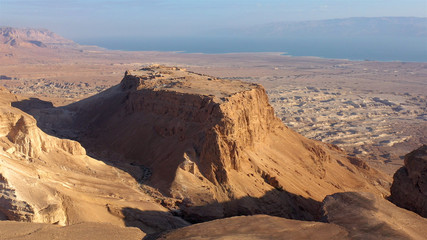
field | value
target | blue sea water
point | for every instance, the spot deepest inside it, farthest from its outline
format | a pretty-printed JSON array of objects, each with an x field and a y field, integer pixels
[{"x": 406, "y": 49}]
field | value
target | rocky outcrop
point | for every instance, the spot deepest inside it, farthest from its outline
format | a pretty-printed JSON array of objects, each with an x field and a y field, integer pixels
[
  {"x": 366, "y": 216},
  {"x": 45, "y": 179},
  {"x": 31, "y": 142},
  {"x": 409, "y": 189},
  {"x": 10, "y": 207},
  {"x": 258, "y": 227},
  {"x": 213, "y": 146}
]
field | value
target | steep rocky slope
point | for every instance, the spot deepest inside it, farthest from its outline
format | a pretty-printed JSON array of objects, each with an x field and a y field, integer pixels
[
  {"x": 366, "y": 216},
  {"x": 212, "y": 147},
  {"x": 45, "y": 179},
  {"x": 409, "y": 189}
]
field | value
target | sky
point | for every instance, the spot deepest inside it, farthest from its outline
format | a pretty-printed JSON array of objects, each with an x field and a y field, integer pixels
[{"x": 80, "y": 19}]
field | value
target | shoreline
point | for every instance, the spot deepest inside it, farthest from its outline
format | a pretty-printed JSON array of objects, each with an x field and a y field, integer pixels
[{"x": 278, "y": 53}]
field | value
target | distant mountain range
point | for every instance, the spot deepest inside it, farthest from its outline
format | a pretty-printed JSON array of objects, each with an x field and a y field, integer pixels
[
  {"x": 28, "y": 37},
  {"x": 359, "y": 38},
  {"x": 347, "y": 27}
]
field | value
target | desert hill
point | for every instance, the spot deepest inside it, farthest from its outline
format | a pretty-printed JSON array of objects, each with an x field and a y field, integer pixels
[{"x": 212, "y": 147}]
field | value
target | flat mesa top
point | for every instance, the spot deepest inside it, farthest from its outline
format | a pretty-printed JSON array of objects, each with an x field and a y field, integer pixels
[{"x": 180, "y": 80}]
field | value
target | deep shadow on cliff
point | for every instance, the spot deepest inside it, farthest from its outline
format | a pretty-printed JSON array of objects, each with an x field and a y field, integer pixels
[
  {"x": 346, "y": 215},
  {"x": 289, "y": 206},
  {"x": 276, "y": 202},
  {"x": 32, "y": 103}
]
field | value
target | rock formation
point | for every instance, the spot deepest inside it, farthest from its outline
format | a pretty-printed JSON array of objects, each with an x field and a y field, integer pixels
[
  {"x": 258, "y": 227},
  {"x": 409, "y": 189},
  {"x": 45, "y": 179},
  {"x": 213, "y": 147},
  {"x": 366, "y": 216}
]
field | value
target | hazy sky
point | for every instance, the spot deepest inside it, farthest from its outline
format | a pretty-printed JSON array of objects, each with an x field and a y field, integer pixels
[{"x": 79, "y": 19}]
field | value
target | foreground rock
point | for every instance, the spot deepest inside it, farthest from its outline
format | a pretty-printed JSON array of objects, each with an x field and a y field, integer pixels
[
  {"x": 409, "y": 189},
  {"x": 213, "y": 147},
  {"x": 349, "y": 215},
  {"x": 258, "y": 227},
  {"x": 93, "y": 231},
  {"x": 366, "y": 216}
]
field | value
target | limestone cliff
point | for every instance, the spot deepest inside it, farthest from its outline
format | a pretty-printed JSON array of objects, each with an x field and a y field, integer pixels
[
  {"x": 214, "y": 146},
  {"x": 409, "y": 189}
]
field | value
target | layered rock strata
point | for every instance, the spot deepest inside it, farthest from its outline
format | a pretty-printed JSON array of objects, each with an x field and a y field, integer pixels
[{"x": 213, "y": 147}]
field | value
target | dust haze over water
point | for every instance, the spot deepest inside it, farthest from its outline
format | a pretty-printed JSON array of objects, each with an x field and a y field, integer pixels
[
  {"x": 355, "y": 30},
  {"x": 363, "y": 48},
  {"x": 380, "y": 39}
]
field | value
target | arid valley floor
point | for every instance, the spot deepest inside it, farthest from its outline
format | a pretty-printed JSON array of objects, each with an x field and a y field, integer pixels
[{"x": 225, "y": 151}]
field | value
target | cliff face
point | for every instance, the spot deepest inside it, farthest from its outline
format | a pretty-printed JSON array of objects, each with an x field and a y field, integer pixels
[
  {"x": 409, "y": 189},
  {"x": 28, "y": 139},
  {"x": 214, "y": 146},
  {"x": 22, "y": 145}
]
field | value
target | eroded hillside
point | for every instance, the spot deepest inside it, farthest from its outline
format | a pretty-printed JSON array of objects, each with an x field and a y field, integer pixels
[{"x": 212, "y": 147}]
